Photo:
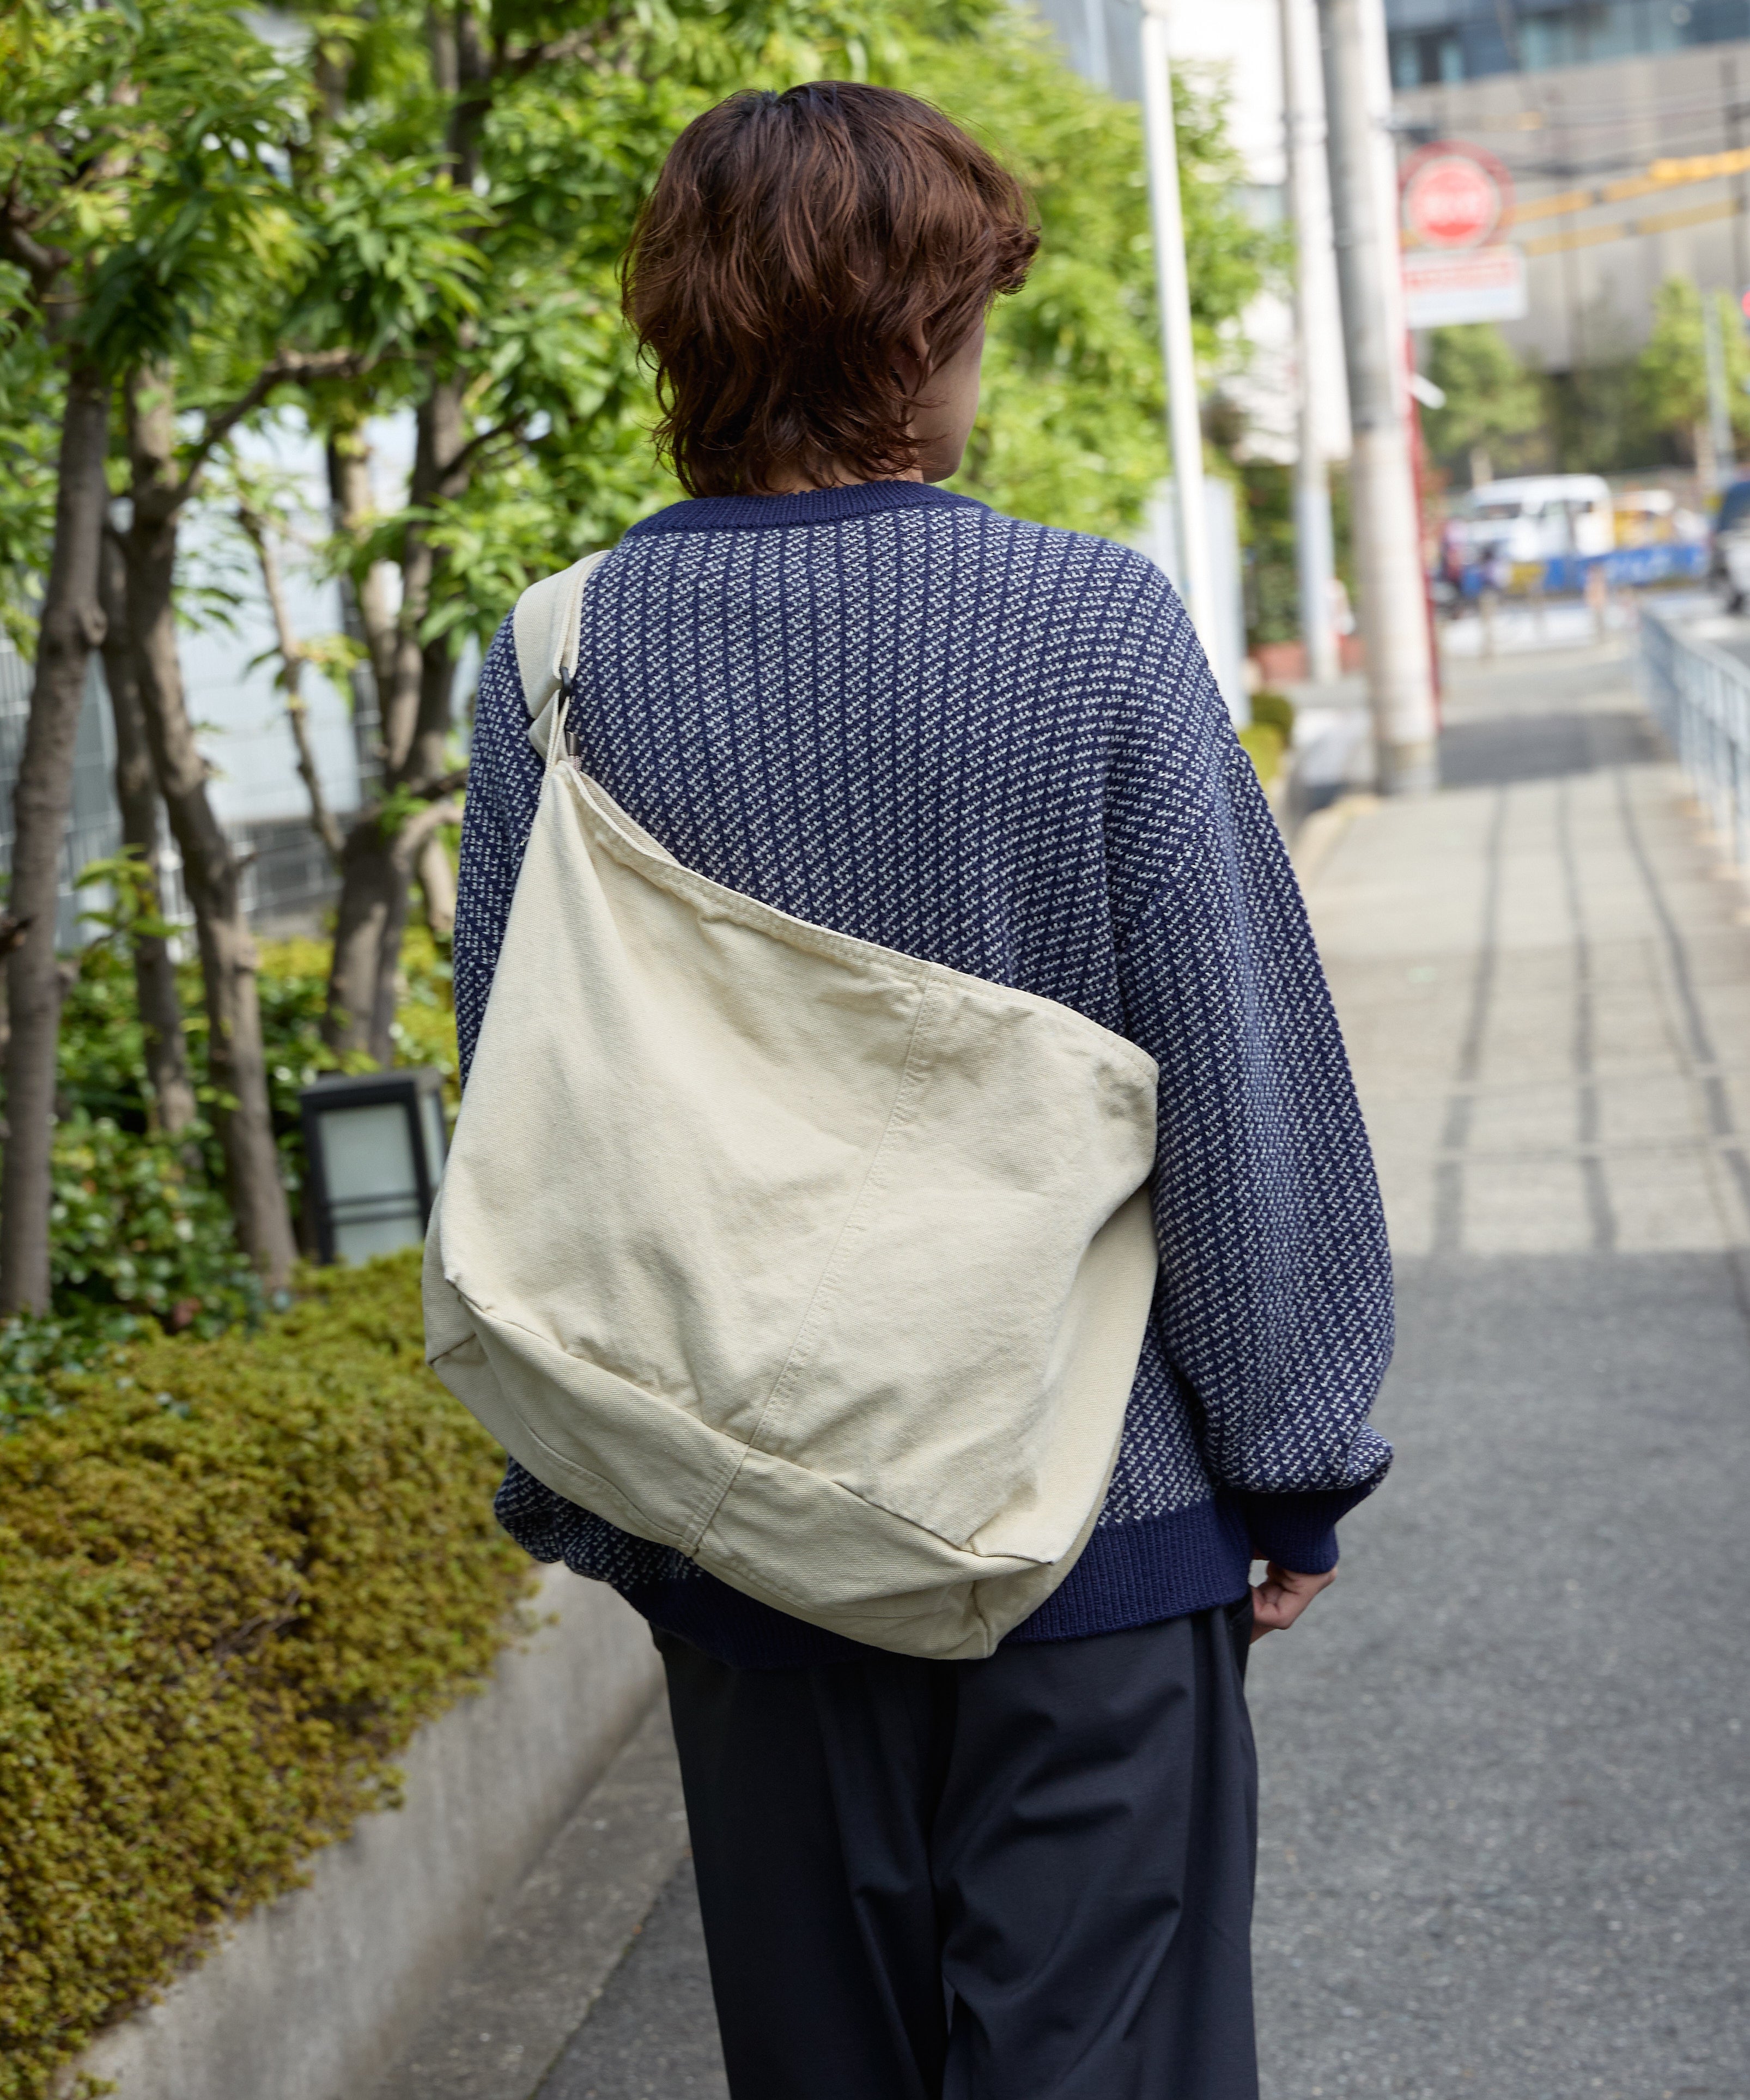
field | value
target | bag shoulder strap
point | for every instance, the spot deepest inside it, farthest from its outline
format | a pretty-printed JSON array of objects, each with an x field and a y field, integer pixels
[{"x": 545, "y": 630}]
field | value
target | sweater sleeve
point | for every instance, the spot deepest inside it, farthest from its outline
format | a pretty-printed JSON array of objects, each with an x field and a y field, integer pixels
[
  {"x": 504, "y": 791},
  {"x": 1274, "y": 1303}
]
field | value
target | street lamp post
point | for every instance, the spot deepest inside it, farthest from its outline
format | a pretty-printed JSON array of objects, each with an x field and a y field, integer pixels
[{"x": 1173, "y": 283}]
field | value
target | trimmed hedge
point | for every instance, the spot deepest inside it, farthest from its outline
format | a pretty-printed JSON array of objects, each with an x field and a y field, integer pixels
[
  {"x": 1266, "y": 737},
  {"x": 1263, "y": 743},
  {"x": 1274, "y": 710},
  {"x": 235, "y": 1575}
]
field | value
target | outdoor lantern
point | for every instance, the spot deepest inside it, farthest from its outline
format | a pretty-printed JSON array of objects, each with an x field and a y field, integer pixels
[{"x": 376, "y": 1145}]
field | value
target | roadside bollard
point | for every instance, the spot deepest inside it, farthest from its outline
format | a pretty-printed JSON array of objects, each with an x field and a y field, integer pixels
[{"x": 1599, "y": 600}]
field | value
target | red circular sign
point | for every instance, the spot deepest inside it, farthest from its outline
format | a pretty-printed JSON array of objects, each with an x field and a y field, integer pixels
[{"x": 1454, "y": 195}]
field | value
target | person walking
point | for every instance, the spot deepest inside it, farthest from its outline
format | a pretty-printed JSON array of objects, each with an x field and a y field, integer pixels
[{"x": 998, "y": 1844}]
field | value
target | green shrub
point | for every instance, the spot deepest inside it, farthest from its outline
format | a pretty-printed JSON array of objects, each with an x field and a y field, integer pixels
[
  {"x": 140, "y": 1231},
  {"x": 293, "y": 983},
  {"x": 1264, "y": 744},
  {"x": 1274, "y": 710},
  {"x": 134, "y": 1226},
  {"x": 233, "y": 1578},
  {"x": 1266, "y": 532},
  {"x": 139, "y": 1237},
  {"x": 35, "y": 1351}
]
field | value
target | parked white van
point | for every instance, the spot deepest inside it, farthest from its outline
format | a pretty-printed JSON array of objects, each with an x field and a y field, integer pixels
[{"x": 1539, "y": 517}]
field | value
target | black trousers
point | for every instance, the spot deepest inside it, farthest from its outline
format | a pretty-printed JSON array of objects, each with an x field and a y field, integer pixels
[{"x": 1028, "y": 1878}]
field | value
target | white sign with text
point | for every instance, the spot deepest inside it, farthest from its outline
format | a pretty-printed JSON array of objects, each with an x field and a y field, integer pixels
[{"x": 1443, "y": 287}]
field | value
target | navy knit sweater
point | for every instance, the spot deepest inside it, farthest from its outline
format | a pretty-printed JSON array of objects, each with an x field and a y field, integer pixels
[{"x": 890, "y": 711}]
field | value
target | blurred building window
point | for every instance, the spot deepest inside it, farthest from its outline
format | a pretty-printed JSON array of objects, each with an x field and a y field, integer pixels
[{"x": 1436, "y": 42}]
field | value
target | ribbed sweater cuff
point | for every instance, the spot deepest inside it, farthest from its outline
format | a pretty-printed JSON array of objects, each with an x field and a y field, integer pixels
[{"x": 1298, "y": 1531}]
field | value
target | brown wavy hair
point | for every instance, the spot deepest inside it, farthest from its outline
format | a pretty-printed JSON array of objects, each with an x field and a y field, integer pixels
[{"x": 793, "y": 245}]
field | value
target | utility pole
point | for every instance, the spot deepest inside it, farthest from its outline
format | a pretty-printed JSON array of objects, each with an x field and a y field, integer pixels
[
  {"x": 1315, "y": 558},
  {"x": 1387, "y": 526},
  {"x": 1719, "y": 408},
  {"x": 1099, "y": 55},
  {"x": 1735, "y": 139},
  {"x": 1183, "y": 422}
]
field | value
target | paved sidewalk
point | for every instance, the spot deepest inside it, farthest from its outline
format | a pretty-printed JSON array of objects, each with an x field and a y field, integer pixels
[
  {"x": 1506, "y": 1817},
  {"x": 1505, "y": 1820}
]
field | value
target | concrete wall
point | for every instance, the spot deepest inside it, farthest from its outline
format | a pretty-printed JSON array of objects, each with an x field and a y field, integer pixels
[{"x": 312, "y": 1997}]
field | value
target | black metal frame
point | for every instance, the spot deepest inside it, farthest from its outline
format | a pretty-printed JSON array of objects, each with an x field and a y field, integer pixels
[{"x": 406, "y": 1087}]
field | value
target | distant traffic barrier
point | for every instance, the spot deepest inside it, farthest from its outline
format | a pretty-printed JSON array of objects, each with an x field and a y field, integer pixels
[
  {"x": 1700, "y": 695},
  {"x": 1630, "y": 568},
  {"x": 1624, "y": 568}
]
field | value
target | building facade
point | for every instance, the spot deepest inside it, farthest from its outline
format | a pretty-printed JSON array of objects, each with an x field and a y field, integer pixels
[{"x": 1622, "y": 124}]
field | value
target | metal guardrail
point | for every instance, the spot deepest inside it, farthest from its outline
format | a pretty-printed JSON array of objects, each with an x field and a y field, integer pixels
[{"x": 1700, "y": 694}]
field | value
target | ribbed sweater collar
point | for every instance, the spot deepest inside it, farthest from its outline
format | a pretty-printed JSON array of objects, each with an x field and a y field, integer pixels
[{"x": 812, "y": 506}]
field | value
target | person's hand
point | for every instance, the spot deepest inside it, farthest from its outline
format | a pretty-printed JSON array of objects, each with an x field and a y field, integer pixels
[{"x": 1282, "y": 1596}]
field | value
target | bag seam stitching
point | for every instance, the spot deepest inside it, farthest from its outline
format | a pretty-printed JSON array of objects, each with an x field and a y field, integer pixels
[
  {"x": 518, "y": 1327},
  {"x": 830, "y": 1276},
  {"x": 807, "y": 1472},
  {"x": 675, "y": 876}
]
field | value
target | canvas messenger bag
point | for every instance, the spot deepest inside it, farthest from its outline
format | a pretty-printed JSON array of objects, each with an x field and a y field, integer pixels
[{"x": 825, "y": 1264}]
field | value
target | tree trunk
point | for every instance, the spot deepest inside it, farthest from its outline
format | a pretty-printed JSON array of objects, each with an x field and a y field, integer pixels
[
  {"x": 236, "y": 1065},
  {"x": 71, "y": 627},
  {"x": 415, "y": 704},
  {"x": 437, "y": 884},
  {"x": 258, "y": 531},
  {"x": 415, "y": 695},
  {"x": 351, "y": 502},
  {"x": 160, "y": 1010},
  {"x": 366, "y": 925},
  {"x": 365, "y": 607},
  {"x": 1481, "y": 466}
]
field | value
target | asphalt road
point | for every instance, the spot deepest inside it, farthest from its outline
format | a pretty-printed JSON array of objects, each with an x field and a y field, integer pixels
[
  {"x": 652, "y": 2035},
  {"x": 1504, "y": 1816},
  {"x": 1506, "y": 1805}
]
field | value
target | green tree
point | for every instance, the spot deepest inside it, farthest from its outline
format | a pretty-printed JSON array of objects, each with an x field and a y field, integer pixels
[
  {"x": 152, "y": 230},
  {"x": 32, "y": 378},
  {"x": 1071, "y": 431},
  {"x": 182, "y": 302},
  {"x": 532, "y": 415},
  {"x": 422, "y": 208},
  {"x": 1492, "y": 401},
  {"x": 543, "y": 126},
  {"x": 1671, "y": 373},
  {"x": 171, "y": 1103},
  {"x": 65, "y": 93}
]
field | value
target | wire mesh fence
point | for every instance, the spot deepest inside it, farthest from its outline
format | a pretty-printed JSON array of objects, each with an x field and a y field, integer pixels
[
  {"x": 1700, "y": 694},
  {"x": 288, "y": 881},
  {"x": 94, "y": 831}
]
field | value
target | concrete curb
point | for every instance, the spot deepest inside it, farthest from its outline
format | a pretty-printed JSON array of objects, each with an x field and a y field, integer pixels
[
  {"x": 313, "y": 1997},
  {"x": 1319, "y": 835},
  {"x": 502, "y": 2025}
]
